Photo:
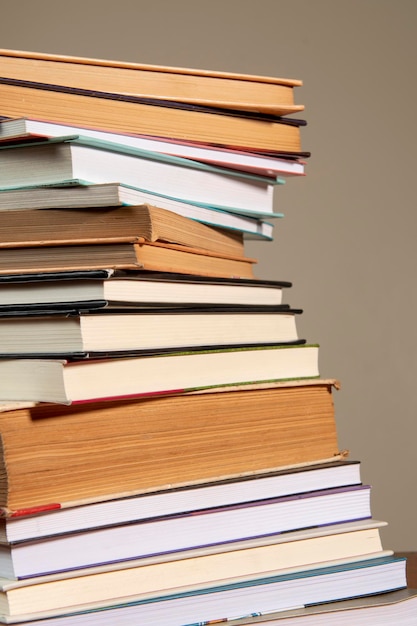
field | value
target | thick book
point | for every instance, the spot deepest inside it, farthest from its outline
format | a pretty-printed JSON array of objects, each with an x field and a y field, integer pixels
[
  {"x": 55, "y": 227},
  {"x": 189, "y": 85},
  {"x": 309, "y": 548},
  {"x": 123, "y": 254},
  {"x": 55, "y": 458},
  {"x": 131, "y": 114},
  {"x": 106, "y": 289},
  {"x": 24, "y": 129},
  {"x": 115, "y": 195},
  {"x": 29, "y": 524},
  {"x": 155, "y": 372},
  {"x": 183, "y": 532},
  {"x": 69, "y": 160},
  {"x": 221, "y": 602},
  {"x": 106, "y": 332}
]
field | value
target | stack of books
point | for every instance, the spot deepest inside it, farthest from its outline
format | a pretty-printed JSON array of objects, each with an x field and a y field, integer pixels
[{"x": 169, "y": 451}]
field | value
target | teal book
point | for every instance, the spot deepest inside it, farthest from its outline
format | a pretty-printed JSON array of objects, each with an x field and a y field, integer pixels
[
  {"x": 66, "y": 160},
  {"x": 96, "y": 196}
]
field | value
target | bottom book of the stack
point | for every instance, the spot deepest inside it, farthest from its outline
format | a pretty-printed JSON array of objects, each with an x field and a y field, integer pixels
[{"x": 395, "y": 607}]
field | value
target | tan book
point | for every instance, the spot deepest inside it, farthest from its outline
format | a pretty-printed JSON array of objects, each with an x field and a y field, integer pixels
[
  {"x": 205, "y": 87},
  {"x": 106, "y": 195},
  {"x": 148, "y": 222},
  {"x": 123, "y": 254},
  {"x": 56, "y": 454},
  {"x": 258, "y": 133}
]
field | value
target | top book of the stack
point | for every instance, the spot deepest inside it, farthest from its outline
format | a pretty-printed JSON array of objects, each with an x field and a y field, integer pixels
[
  {"x": 221, "y": 108},
  {"x": 262, "y": 94}
]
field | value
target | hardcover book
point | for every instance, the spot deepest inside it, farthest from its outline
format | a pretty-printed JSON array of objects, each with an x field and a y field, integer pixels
[
  {"x": 269, "y": 165},
  {"x": 193, "y": 86},
  {"x": 161, "y": 442},
  {"x": 70, "y": 160}
]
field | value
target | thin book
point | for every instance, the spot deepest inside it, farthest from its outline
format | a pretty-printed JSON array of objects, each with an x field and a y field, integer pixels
[
  {"x": 104, "y": 289},
  {"x": 123, "y": 253},
  {"x": 269, "y": 165}
]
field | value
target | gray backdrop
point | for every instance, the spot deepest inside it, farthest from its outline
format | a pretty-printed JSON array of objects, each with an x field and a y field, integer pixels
[{"x": 348, "y": 239}]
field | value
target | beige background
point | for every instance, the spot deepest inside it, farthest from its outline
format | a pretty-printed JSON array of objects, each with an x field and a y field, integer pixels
[{"x": 348, "y": 239}]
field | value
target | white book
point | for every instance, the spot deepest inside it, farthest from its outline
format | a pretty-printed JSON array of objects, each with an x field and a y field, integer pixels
[
  {"x": 184, "y": 531},
  {"x": 262, "y": 165},
  {"x": 54, "y": 380},
  {"x": 67, "y": 519},
  {"x": 71, "y": 160},
  {"x": 106, "y": 331},
  {"x": 93, "y": 289},
  {"x": 197, "y": 568}
]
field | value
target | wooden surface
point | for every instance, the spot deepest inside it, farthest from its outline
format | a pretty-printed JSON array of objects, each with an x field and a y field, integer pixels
[{"x": 411, "y": 567}]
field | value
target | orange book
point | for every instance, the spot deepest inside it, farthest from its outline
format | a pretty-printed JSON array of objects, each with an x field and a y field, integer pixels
[
  {"x": 123, "y": 254},
  {"x": 192, "y": 86},
  {"x": 58, "y": 454}
]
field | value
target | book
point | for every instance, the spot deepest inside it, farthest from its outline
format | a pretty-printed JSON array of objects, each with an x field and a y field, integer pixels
[
  {"x": 131, "y": 114},
  {"x": 194, "y": 86},
  {"x": 383, "y": 609},
  {"x": 145, "y": 221},
  {"x": 221, "y": 602},
  {"x": 112, "y": 195},
  {"x": 29, "y": 524},
  {"x": 110, "y": 288},
  {"x": 54, "y": 456},
  {"x": 269, "y": 165},
  {"x": 106, "y": 332},
  {"x": 199, "y": 567},
  {"x": 69, "y": 160},
  {"x": 124, "y": 254},
  {"x": 160, "y": 372},
  {"x": 184, "y": 531}
]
